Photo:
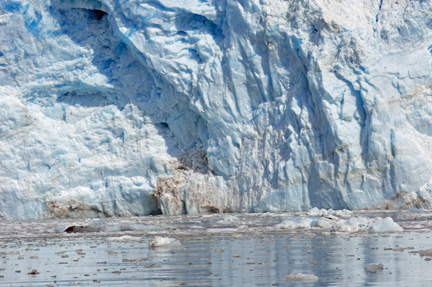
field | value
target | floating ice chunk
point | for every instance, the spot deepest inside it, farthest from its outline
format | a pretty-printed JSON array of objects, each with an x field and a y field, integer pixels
[
  {"x": 228, "y": 219},
  {"x": 385, "y": 225},
  {"x": 111, "y": 228},
  {"x": 124, "y": 238},
  {"x": 427, "y": 252},
  {"x": 286, "y": 224},
  {"x": 317, "y": 212},
  {"x": 60, "y": 228},
  {"x": 300, "y": 277},
  {"x": 374, "y": 267},
  {"x": 135, "y": 227},
  {"x": 353, "y": 224},
  {"x": 159, "y": 241},
  {"x": 322, "y": 223},
  {"x": 300, "y": 223},
  {"x": 243, "y": 228},
  {"x": 221, "y": 230},
  {"x": 344, "y": 213},
  {"x": 73, "y": 229}
]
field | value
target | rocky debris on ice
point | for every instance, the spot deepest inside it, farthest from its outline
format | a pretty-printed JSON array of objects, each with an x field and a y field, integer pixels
[
  {"x": 100, "y": 226},
  {"x": 33, "y": 272},
  {"x": 422, "y": 199},
  {"x": 427, "y": 252},
  {"x": 300, "y": 277},
  {"x": 374, "y": 267}
]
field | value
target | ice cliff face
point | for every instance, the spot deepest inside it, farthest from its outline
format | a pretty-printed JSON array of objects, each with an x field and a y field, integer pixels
[{"x": 112, "y": 107}]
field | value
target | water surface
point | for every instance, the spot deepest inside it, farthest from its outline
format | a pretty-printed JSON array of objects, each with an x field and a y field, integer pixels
[{"x": 215, "y": 250}]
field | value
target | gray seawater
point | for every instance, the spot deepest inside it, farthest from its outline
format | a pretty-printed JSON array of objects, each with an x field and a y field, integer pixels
[{"x": 215, "y": 250}]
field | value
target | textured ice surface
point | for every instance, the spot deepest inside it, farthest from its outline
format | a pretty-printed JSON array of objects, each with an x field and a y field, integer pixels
[
  {"x": 114, "y": 107},
  {"x": 338, "y": 221},
  {"x": 385, "y": 225}
]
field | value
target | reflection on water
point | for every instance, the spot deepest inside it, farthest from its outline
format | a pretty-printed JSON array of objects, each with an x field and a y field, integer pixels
[{"x": 258, "y": 256}]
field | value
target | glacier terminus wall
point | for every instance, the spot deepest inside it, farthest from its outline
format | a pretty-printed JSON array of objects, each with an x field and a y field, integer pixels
[{"x": 139, "y": 107}]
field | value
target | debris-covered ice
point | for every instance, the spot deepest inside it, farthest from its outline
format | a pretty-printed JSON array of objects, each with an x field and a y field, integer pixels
[
  {"x": 300, "y": 277},
  {"x": 374, "y": 267},
  {"x": 427, "y": 252}
]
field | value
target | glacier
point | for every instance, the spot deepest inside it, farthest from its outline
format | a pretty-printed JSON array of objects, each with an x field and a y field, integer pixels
[{"x": 142, "y": 107}]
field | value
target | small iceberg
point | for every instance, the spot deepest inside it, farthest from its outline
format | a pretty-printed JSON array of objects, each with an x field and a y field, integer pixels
[
  {"x": 159, "y": 241},
  {"x": 385, "y": 225}
]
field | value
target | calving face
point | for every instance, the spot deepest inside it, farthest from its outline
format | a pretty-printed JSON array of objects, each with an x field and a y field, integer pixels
[{"x": 113, "y": 108}]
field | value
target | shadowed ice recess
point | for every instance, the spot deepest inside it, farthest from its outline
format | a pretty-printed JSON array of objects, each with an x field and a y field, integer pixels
[{"x": 126, "y": 108}]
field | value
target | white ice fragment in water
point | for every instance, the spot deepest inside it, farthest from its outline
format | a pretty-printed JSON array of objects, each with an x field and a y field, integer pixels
[
  {"x": 322, "y": 223},
  {"x": 385, "y": 225},
  {"x": 317, "y": 212},
  {"x": 286, "y": 224},
  {"x": 374, "y": 267},
  {"x": 135, "y": 227},
  {"x": 354, "y": 224},
  {"x": 111, "y": 228},
  {"x": 159, "y": 241},
  {"x": 228, "y": 219},
  {"x": 243, "y": 228},
  {"x": 300, "y": 277},
  {"x": 299, "y": 223},
  {"x": 124, "y": 238},
  {"x": 344, "y": 213}
]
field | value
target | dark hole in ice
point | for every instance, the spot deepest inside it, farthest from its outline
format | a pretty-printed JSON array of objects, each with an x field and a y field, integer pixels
[
  {"x": 164, "y": 125},
  {"x": 70, "y": 229},
  {"x": 98, "y": 14},
  {"x": 82, "y": 229},
  {"x": 156, "y": 212}
]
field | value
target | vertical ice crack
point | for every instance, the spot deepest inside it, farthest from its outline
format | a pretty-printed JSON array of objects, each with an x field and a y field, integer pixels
[{"x": 379, "y": 10}]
